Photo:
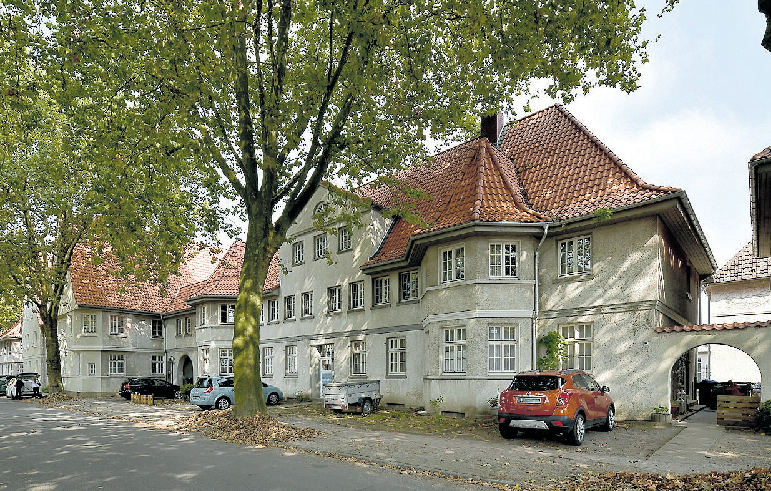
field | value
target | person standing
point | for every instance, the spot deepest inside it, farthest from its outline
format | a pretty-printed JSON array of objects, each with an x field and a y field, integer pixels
[{"x": 19, "y": 387}]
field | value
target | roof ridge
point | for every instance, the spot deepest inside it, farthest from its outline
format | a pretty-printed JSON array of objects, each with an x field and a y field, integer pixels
[{"x": 479, "y": 155}]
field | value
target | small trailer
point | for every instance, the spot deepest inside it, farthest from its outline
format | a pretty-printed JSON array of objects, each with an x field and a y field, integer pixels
[{"x": 361, "y": 396}]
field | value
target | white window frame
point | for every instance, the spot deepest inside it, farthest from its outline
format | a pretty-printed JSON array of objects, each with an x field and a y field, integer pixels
[
  {"x": 503, "y": 259},
  {"x": 117, "y": 364},
  {"x": 188, "y": 326},
  {"x": 89, "y": 323},
  {"x": 306, "y": 300},
  {"x": 298, "y": 253},
  {"x": 501, "y": 349},
  {"x": 226, "y": 361},
  {"x": 157, "y": 365},
  {"x": 381, "y": 290},
  {"x": 205, "y": 360},
  {"x": 454, "y": 350},
  {"x": 452, "y": 264},
  {"x": 358, "y": 358},
  {"x": 117, "y": 324},
  {"x": 91, "y": 369},
  {"x": 344, "y": 239},
  {"x": 335, "y": 299},
  {"x": 156, "y": 328},
  {"x": 290, "y": 369},
  {"x": 289, "y": 307},
  {"x": 397, "y": 355},
  {"x": 574, "y": 256},
  {"x": 408, "y": 285},
  {"x": 578, "y": 346},
  {"x": 267, "y": 361},
  {"x": 356, "y": 295},
  {"x": 178, "y": 324},
  {"x": 227, "y": 313},
  {"x": 273, "y": 315},
  {"x": 320, "y": 247},
  {"x": 202, "y": 317}
]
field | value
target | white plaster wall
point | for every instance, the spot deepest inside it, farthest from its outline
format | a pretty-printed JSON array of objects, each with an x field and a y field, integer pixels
[{"x": 740, "y": 301}]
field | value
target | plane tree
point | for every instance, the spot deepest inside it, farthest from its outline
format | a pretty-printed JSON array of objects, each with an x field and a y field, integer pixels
[{"x": 276, "y": 96}]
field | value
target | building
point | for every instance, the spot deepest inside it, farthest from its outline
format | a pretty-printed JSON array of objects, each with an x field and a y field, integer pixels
[
  {"x": 760, "y": 201},
  {"x": 11, "y": 361}
]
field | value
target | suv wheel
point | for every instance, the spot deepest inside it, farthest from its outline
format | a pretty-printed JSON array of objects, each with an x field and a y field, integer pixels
[
  {"x": 507, "y": 431},
  {"x": 576, "y": 436},
  {"x": 610, "y": 420}
]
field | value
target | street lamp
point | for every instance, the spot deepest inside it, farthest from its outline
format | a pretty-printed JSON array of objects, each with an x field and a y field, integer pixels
[{"x": 171, "y": 368}]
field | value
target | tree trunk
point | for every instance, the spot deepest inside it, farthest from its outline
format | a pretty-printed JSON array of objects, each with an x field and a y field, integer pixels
[
  {"x": 49, "y": 332},
  {"x": 249, "y": 397}
]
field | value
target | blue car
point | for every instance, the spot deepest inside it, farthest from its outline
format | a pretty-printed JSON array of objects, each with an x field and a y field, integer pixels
[{"x": 218, "y": 392}]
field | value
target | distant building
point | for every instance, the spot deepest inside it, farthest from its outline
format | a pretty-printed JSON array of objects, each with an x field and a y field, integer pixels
[{"x": 11, "y": 361}]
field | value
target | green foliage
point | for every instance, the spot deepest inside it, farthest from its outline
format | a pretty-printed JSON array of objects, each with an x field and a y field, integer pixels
[
  {"x": 435, "y": 405},
  {"x": 763, "y": 417},
  {"x": 555, "y": 351},
  {"x": 661, "y": 410},
  {"x": 184, "y": 391},
  {"x": 602, "y": 214}
]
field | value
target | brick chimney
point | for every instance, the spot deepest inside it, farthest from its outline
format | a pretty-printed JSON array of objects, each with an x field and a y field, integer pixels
[{"x": 491, "y": 127}]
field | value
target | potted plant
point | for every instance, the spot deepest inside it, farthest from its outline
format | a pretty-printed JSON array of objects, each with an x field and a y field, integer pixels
[{"x": 661, "y": 414}]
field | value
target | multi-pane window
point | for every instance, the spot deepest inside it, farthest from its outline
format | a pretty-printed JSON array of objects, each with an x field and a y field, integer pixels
[
  {"x": 397, "y": 356},
  {"x": 205, "y": 359},
  {"x": 117, "y": 324},
  {"x": 408, "y": 285},
  {"x": 156, "y": 328},
  {"x": 453, "y": 264},
  {"x": 178, "y": 324},
  {"x": 298, "y": 253},
  {"x": 320, "y": 246},
  {"x": 157, "y": 366},
  {"x": 358, "y": 358},
  {"x": 343, "y": 239},
  {"x": 117, "y": 365},
  {"x": 92, "y": 369},
  {"x": 272, "y": 306},
  {"x": 455, "y": 350},
  {"x": 226, "y": 361},
  {"x": 202, "y": 316},
  {"x": 334, "y": 299},
  {"x": 227, "y": 313},
  {"x": 578, "y": 346},
  {"x": 291, "y": 360},
  {"x": 503, "y": 260},
  {"x": 381, "y": 290},
  {"x": 575, "y": 256},
  {"x": 307, "y": 304},
  {"x": 356, "y": 295},
  {"x": 267, "y": 361},
  {"x": 188, "y": 326},
  {"x": 89, "y": 324},
  {"x": 501, "y": 348},
  {"x": 289, "y": 307}
]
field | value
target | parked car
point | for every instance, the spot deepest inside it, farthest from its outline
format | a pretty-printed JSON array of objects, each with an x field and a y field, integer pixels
[
  {"x": 31, "y": 385},
  {"x": 563, "y": 402},
  {"x": 218, "y": 392},
  {"x": 157, "y": 387},
  {"x": 4, "y": 382}
]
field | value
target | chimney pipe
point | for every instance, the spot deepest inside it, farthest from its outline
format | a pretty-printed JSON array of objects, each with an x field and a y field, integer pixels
[{"x": 491, "y": 127}]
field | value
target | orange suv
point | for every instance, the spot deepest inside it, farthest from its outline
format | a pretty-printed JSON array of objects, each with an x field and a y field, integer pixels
[{"x": 564, "y": 402}]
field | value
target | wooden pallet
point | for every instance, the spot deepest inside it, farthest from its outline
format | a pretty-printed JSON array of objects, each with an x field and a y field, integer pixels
[{"x": 737, "y": 410}]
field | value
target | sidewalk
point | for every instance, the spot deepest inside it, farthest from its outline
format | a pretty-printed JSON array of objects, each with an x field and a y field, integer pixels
[{"x": 530, "y": 462}]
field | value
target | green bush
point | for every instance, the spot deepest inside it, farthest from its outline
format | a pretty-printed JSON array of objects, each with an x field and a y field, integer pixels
[
  {"x": 555, "y": 351},
  {"x": 763, "y": 417},
  {"x": 184, "y": 391}
]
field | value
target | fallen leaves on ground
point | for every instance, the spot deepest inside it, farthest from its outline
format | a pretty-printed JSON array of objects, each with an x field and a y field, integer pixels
[
  {"x": 259, "y": 429},
  {"x": 750, "y": 480}
]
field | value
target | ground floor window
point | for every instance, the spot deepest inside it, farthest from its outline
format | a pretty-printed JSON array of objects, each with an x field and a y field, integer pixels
[
  {"x": 397, "y": 356},
  {"x": 578, "y": 344},
  {"x": 226, "y": 361},
  {"x": 291, "y": 360},
  {"x": 92, "y": 369},
  {"x": 267, "y": 361},
  {"x": 157, "y": 365},
  {"x": 455, "y": 350},
  {"x": 501, "y": 348},
  {"x": 117, "y": 365},
  {"x": 358, "y": 358}
]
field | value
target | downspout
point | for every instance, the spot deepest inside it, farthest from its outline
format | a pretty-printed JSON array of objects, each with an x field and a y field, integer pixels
[{"x": 534, "y": 322}]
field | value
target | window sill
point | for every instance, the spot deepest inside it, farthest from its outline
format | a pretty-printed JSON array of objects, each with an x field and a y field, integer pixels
[
  {"x": 290, "y": 375},
  {"x": 306, "y": 317},
  {"x": 575, "y": 277},
  {"x": 381, "y": 306},
  {"x": 291, "y": 319},
  {"x": 356, "y": 309},
  {"x": 411, "y": 301},
  {"x": 334, "y": 312},
  {"x": 397, "y": 376}
]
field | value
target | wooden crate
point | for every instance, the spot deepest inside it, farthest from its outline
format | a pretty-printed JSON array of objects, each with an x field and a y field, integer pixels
[{"x": 737, "y": 410}]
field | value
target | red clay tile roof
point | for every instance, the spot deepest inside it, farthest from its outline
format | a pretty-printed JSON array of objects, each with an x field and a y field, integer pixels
[
  {"x": 13, "y": 332},
  {"x": 763, "y": 154},
  {"x": 566, "y": 171},
  {"x": 469, "y": 183},
  {"x": 743, "y": 266},
  {"x": 714, "y": 327}
]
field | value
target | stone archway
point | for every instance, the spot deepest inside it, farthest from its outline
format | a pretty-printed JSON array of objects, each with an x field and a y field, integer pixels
[{"x": 186, "y": 370}]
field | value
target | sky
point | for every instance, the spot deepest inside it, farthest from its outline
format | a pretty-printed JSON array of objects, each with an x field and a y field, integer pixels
[{"x": 702, "y": 111}]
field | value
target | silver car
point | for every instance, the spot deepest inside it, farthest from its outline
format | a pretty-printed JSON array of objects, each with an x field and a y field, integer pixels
[{"x": 218, "y": 392}]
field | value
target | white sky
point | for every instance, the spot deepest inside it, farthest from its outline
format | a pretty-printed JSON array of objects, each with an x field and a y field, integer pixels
[{"x": 703, "y": 110}]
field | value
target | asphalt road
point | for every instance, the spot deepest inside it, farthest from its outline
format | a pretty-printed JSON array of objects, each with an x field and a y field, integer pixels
[{"x": 54, "y": 449}]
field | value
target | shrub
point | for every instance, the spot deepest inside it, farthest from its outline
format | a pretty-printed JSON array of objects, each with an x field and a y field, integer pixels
[
  {"x": 184, "y": 391},
  {"x": 763, "y": 417},
  {"x": 555, "y": 351}
]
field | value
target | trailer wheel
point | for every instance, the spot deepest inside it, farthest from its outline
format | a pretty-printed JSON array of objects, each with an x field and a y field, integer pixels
[{"x": 366, "y": 407}]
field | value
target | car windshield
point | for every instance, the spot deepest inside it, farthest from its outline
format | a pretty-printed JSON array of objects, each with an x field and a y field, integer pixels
[{"x": 541, "y": 382}]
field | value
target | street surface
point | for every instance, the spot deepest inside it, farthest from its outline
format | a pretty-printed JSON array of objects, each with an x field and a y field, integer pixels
[{"x": 53, "y": 449}]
